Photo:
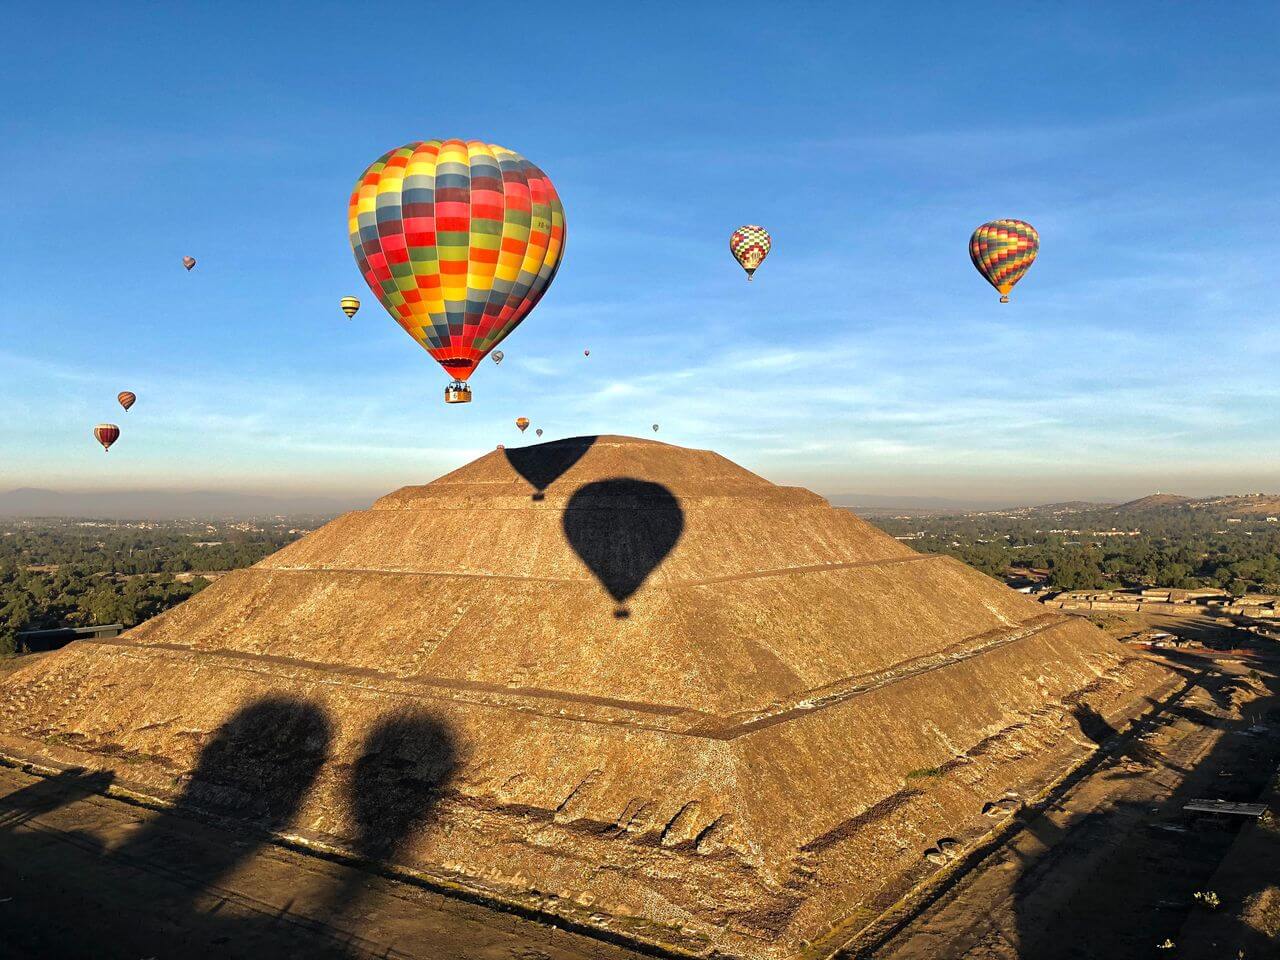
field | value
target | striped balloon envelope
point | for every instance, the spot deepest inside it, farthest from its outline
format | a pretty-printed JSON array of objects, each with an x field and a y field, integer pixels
[
  {"x": 749, "y": 245},
  {"x": 458, "y": 240},
  {"x": 127, "y": 399},
  {"x": 1003, "y": 251},
  {"x": 106, "y": 434}
]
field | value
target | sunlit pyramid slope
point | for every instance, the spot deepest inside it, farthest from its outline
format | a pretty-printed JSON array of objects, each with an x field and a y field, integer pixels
[{"x": 609, "y": 679}]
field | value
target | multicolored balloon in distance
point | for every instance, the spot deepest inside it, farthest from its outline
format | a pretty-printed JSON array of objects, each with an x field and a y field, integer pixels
[
  {"x": 458, "y": 240},
  {"x": 106, "y": 434},
  {"x": 497, "y": 356},
  {"x": 127, "y": 399},
  {"x": 1003, "y": 251},
  {"x": 188, "y": 262},
  {"x": 538, "y": 431},
  {"x": 749, "y": 245},
  {"x": 522, "y": 423},
  {"x": 349, "y": 306}
]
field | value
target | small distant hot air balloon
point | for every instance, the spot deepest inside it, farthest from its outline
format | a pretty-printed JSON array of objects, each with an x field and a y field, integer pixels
[
  {"x": 127, "y": 399},
  {"x": 497, "y": 356},
  {"x": 349, "y": 306},
  {"x": 586, "y": 353},
  {"x": 522, "y": 423},
  {"x": 106, "y": 434},
  {"x": 749, "y": 245},
  {"x": 538, "y": 431},
  {"x": 655, "y": 428},
  {"x": 188, "y": 262},
  {"x": 1003, "y": 250},
  {"x": 458, "y": 240}
]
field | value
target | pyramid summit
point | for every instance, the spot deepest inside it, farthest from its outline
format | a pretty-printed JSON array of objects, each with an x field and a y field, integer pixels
[{"x": 626, "y": 684}]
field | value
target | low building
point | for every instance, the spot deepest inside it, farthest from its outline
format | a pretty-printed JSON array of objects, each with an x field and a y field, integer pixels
[{"x": 37, "y": 641}]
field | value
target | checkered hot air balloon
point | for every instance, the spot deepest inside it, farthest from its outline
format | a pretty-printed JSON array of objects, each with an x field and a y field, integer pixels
[
  {"x": 458, "y": 240},
  {"x": 749, "y": 245},
  {"x": 106, "y": 434},
  {"x": 1003, "y": 250},
  {"x": 127, "y": 399}
]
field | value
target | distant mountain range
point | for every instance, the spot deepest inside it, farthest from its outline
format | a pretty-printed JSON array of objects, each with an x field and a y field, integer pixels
[
  {"x": 939, "y": 505},
  {"x": 165, "y": 504},
  {"x": 1243, "y": 505},
  {"x": 171, "y": 504}
]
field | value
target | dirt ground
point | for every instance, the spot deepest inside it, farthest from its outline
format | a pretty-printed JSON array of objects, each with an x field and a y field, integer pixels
[{"x": 67, "y": 891}]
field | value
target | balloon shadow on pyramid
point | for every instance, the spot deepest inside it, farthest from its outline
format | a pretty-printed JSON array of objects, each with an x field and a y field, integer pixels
[
  {"x": 407, "y": 762},
  {"x": 622, "y": 529},
  {"x": 544, "y": 463}
]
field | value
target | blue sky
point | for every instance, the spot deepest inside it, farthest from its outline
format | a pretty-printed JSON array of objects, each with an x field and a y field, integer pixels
[{"x": 1141, "y": 351}]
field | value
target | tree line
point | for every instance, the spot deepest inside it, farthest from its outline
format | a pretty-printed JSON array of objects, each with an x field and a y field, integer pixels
[
  {"x": 1175, "y": 547},
  {"x": 65, "y": 574}
]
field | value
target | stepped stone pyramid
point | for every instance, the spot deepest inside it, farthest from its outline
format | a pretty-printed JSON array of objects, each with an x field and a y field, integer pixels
[{"x": 625, "y": 684}]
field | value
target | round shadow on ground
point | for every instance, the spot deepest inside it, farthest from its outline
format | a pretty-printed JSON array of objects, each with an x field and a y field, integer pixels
[
  {"x": 622, "y": 529},
  {"x": 406, "y": 763},
  {"x": 262, "y": 761}
]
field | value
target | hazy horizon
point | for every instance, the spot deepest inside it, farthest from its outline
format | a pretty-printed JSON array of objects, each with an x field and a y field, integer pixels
[{"x": 938, "y": 494}]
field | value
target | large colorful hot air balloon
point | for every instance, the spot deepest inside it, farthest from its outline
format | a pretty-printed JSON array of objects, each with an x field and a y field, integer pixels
[
  {"x": 749, "y": 245},
  {"x": 106, "y": 434},
  {"x": 1003, "y": 250},
  {"x": 188, "y": 262},
  {"x": 349, "y": 306},
  {"x": 497, "y": 356},
  {"x": 522, "y": 423},
  {"x": 127, "y": 399},
  {"x": 458, "y": 240}
]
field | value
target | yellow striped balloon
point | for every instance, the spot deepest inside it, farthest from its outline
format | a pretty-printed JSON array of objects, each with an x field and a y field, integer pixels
[
  {"x": 349, "y": 306},
  {"x": 458, "y": 240},
  {"x": 1003, "y": 251}
]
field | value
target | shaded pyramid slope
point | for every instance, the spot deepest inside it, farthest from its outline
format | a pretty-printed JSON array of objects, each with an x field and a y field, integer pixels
[{"x": 625, "y": 683}]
